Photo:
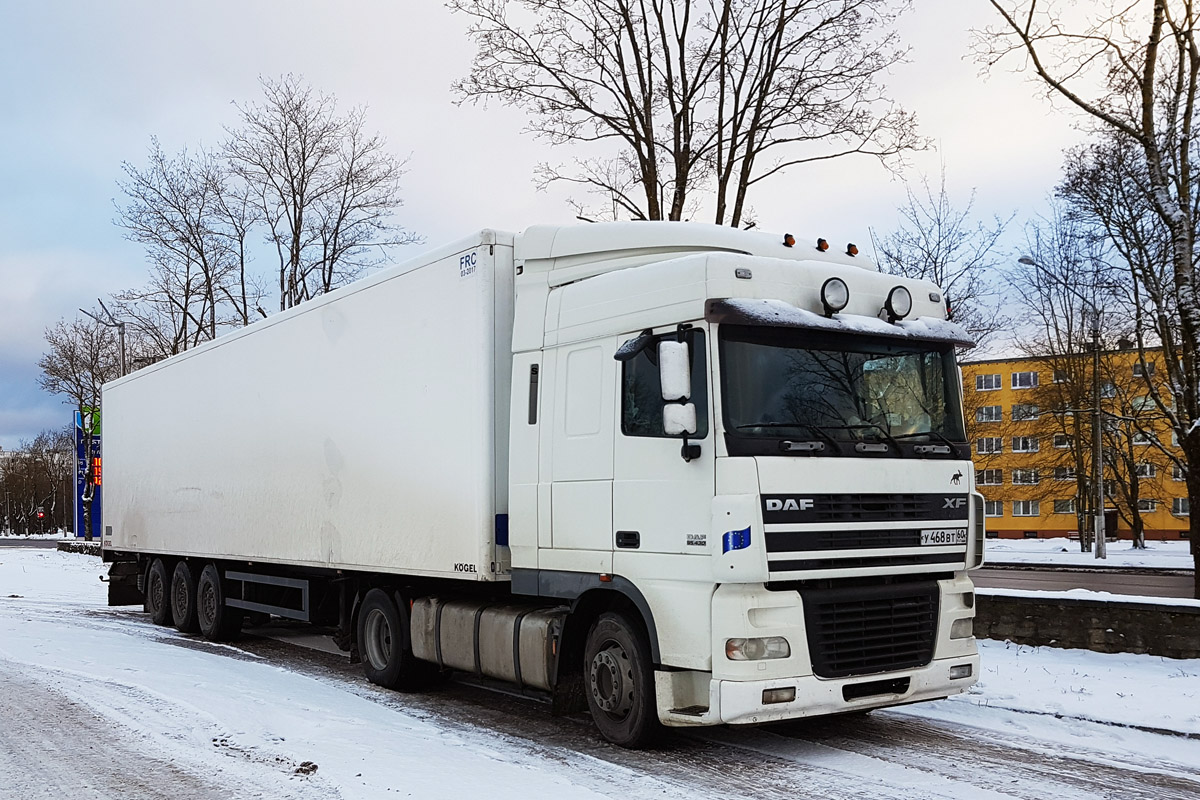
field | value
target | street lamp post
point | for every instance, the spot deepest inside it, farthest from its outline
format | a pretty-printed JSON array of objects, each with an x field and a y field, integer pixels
[{"x": 111, "y": 322}]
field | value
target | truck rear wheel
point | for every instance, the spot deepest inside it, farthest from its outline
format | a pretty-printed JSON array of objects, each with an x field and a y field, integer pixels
[
  {"x": 218, "y": 622},
  {"x": 618, "y": 680},
  {"x": 183, "y": 599},
  {"x": 158, "y": 593},
  {"x": 386, "y": 659}
]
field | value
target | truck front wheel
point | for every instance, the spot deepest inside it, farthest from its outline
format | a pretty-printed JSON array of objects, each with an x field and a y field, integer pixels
[
  {"x": 619, "y": 682},
  {"x": 183, "y": 599},
  {"x": 158, "y": 593}
]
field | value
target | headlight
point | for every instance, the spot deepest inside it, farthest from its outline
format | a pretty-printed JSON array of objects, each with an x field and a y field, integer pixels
[{"x": 757, "y": 649}]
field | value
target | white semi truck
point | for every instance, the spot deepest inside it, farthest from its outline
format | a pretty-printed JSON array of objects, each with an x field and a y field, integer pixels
[{"x": 688, "y": 474}]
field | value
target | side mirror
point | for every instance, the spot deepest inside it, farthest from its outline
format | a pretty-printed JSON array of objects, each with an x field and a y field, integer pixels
[
  {"x": 674, "y": 371},
  {"x": 679, "y": 419}
]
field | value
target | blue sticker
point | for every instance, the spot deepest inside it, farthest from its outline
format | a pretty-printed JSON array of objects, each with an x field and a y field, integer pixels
[{"x": 735, "y": 540}]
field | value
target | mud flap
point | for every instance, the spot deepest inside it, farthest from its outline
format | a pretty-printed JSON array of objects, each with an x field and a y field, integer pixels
[{"x": 123, "y": 589}]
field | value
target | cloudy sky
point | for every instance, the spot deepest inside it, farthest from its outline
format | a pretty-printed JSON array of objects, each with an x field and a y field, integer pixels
[{"x": 86, "y": 84}]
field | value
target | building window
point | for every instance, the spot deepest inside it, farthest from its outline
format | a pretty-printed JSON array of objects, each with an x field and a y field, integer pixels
[
  {"x": 1177, "y": 472},
  {"x": 1064, "y": 473},
  {"x": 989, "y": 444},
  {"x": 995, "y": 508},
  {"x": 1024, "y": 411},
  {"x": 1179, "y": 507},
  {"x": 1024, "y": 477},
  {"x": 987, "y": 383},
  {"x": 989, "y": 477},
  {"x": 1025, "y": 444},
  {"x": 1024, "y": 380},
  {"x": 1026, "y": 508},
  {"x": 1147, "y": 505},
  {"x": 1141, "y": 437},
  {"x": 1145, "y": 470},
  {"x": 1108, "y": 389},
  {"x": 1062, "y": 440},
  {"x": 1064, "y": 506},
  {"x": 1143, "y": 403},
  {"x": 1141, "y": 370},
  {"x": 988, "y": 414},
  {"x": 1060, "y": 376}
]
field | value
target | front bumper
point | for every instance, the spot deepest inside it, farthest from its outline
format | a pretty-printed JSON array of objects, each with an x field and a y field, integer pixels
[{"x": 741, "y": 702}]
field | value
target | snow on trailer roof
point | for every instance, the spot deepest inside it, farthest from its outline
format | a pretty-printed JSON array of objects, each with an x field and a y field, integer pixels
[{"x": 561, "y": 246}]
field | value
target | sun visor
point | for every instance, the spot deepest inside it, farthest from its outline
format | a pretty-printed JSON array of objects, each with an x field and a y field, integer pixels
[{"x": 776, "y": 313}]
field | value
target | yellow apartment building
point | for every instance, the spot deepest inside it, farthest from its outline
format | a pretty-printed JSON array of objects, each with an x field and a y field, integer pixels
[{"x": 1029, "y": 421}]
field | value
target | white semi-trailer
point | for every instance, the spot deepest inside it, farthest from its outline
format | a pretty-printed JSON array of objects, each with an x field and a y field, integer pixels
[{"x": 692, "y": 474}]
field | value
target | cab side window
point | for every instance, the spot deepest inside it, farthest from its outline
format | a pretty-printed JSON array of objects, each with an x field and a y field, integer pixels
[{"x": 641, "y": 391}]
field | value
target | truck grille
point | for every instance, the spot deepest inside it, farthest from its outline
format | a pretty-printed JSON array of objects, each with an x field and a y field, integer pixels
[
  {"x": 861, "y": 630},
  {"x": 795, "y": 508}
]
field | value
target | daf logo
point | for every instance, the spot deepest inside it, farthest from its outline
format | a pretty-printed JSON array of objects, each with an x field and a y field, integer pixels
[
  {"x": 791, "y": 504},
  {"x": 955, "y": 502}
]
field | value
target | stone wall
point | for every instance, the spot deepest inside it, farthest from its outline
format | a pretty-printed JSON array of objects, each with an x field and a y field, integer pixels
[{"x": 1101, "y": 625}]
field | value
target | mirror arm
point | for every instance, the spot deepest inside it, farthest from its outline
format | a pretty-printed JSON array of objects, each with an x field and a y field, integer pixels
[{"x": 689, "y": 451}]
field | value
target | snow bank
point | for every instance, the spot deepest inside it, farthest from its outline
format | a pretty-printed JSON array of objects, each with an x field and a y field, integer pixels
[{"x": 1064, "y": 552}]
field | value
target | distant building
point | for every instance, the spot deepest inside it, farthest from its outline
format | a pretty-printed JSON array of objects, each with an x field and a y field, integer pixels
[{"x": 1029, "y": 421}]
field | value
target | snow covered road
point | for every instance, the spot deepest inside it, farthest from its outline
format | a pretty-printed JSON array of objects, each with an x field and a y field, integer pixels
[{"x": 98, "y": 703}]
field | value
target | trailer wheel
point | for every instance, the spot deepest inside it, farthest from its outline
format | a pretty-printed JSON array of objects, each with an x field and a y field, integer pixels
[
  {"x": 619, "y": 682},
  {"x": 218, "y": 622},
  {"x": 183, "y": 599},
  {"x": 158, "y": 593}
]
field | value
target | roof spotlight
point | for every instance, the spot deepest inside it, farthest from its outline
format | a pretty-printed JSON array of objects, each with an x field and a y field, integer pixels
[
  {"x": 835, "y": 294},
  {"x": 898, "y": 304}
]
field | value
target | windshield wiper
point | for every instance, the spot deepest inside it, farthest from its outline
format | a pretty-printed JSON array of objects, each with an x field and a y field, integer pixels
[
  {"x": 935, "y": 434},
  {"x": 801, "y": 425},
  {"x": 891, "y": 439}
]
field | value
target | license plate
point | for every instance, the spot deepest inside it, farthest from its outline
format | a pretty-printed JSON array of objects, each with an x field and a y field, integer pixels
[{"x": 943, "y": 536}]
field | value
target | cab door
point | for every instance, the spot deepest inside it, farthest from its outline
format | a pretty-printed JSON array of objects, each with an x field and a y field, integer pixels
[{"x": 662, "y": 503}]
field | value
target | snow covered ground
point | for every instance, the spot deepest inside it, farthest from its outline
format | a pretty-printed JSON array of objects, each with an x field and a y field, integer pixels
[
  {"x": 1064, "y": 553},
  {"x": 164, "y": 711}
]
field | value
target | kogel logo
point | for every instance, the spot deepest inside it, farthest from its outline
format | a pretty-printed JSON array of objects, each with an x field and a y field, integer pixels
[
  {"x": 790, "y": 504},
  {"x": 735, "y": 540}
]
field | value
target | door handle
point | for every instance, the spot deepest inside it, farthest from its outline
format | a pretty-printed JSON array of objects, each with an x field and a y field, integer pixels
[{"x": 629, "y": 540}]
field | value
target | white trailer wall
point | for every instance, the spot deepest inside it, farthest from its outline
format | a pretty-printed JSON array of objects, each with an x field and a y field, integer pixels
[{"x": 356, "y": 431}]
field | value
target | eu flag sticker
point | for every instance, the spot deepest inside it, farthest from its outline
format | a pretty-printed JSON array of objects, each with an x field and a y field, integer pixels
[{"x": 735, "y": 540}]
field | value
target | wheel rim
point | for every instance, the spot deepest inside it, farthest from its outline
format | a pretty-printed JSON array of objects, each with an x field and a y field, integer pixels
[
  {"x": 208, "y": 603},
  {"x": 156, "y": 592},
  {"x": 611, "y": 678},
  {"x": 378, "y": 635}
]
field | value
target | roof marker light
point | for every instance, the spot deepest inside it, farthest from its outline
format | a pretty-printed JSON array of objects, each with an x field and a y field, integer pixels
[
  {"x": 788, "y": 240},
  {"x": 852, "y": 249},
  {"x": 898, "y": 304},
  {"x": 822, "y": 245},
  {"x": 835, "y": 294}
]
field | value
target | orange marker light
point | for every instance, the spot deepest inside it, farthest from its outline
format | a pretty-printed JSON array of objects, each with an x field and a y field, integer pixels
[
  {"x": 788, "y": 240},
  {"x": 851, "y": 249},
  {"x": 822, "y": 245}
]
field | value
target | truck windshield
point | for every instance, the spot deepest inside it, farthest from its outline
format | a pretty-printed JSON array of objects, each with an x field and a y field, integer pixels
[{"x": 784, "y": 383}]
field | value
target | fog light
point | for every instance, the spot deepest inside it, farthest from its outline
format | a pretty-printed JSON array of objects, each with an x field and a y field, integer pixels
[
  {"x": 961, "y": 671},
  {"x": 757, "y": 649},
  {"x": 962, "y": 628},
  {"x": 786, "y": 695}
]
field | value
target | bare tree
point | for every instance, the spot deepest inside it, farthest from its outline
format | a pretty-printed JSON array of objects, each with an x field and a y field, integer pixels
[
  {"x": 939, "y": 242},
  {"x": 325, "y": 189},
  {"x": 194, "y": 224},
  {"x": 693, "y": 96},
  {"x": 1133, "y": 70},
  {"x": 82, "y": 356}
]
